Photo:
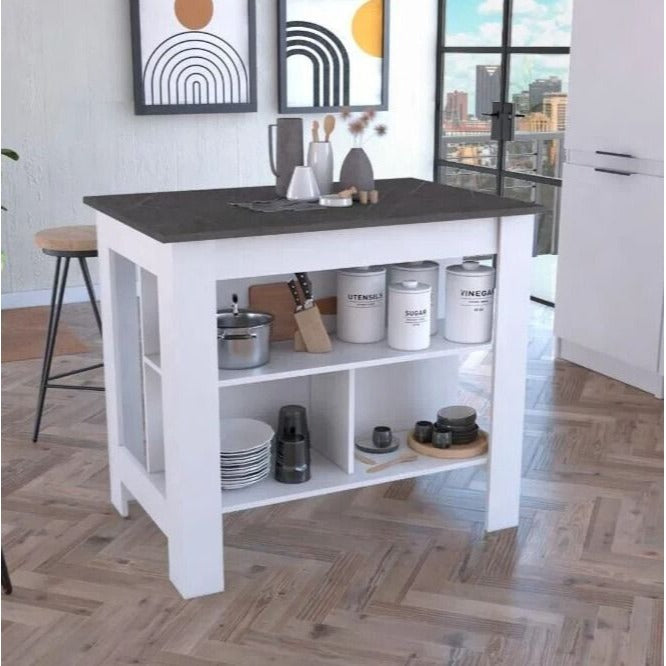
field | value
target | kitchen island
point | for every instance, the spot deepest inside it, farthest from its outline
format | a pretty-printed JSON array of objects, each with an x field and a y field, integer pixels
[{"x": 172, "y": 253}]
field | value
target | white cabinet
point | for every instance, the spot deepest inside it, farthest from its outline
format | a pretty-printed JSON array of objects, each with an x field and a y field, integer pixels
[
  {"x": 616, "y": 86},
  {"x": 609, "y": 291}
]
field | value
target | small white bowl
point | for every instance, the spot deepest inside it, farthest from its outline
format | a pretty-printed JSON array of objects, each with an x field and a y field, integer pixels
[{"x": 334, "y": 201}]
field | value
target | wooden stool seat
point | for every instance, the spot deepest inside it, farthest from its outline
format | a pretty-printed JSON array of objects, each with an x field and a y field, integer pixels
[{"x": 68, "y": 240}]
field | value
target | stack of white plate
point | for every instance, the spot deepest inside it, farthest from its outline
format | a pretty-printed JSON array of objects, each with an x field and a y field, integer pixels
[{"x": 245, "y": 452}]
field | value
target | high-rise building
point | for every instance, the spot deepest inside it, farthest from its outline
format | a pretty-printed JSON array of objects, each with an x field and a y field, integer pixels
[
  {"x": 540, "y": 87},
  {"x": 488, "y": 85},
  {"x": 456, "y": 106},
  {"x": 555, "y": 109},
  {"x": 521, "y": 102}
]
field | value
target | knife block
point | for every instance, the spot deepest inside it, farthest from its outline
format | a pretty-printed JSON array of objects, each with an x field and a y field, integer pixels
[{"x": 312, "y": 331}]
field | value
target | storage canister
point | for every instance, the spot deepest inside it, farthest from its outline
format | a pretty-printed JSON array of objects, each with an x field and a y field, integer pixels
[
  {"x": 421, "y": 271},
  {"x": 470, "y": 289},
  {"x": 409, "y": 315},
  {"x": 361, "y": 304}
]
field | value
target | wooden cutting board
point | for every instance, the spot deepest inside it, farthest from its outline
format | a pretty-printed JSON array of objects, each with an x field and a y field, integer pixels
[{"x": 276, "y": 299}]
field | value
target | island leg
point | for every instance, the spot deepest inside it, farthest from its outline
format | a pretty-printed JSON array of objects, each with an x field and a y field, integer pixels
[
  {"x": 188, "y": 345},
  {"x": 122, "y": 370},
  {"x": 509, "y": 371}
]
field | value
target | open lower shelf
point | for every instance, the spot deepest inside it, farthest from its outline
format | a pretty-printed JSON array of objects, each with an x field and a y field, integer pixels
[
  {"x": 329, "y": 478},
  {"x": 285, "y": 362}
]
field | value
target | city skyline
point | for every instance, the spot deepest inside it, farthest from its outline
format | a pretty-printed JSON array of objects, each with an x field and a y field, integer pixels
[{"x": 542, "y": 96}]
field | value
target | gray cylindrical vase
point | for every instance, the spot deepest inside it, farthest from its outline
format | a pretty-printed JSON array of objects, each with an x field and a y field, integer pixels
[{"x": 357, "y": 171}]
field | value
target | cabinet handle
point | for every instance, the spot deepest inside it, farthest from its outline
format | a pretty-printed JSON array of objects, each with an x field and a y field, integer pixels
[
  {"x": 615, "y": 171},
  {"x": 606, "y": 152}
]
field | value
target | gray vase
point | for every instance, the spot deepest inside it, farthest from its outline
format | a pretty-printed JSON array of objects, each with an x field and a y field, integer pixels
[{"x": 357, "y": 170}]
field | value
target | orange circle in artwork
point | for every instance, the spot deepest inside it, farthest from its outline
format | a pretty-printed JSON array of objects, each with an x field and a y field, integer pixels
[
  {"x": 368, "y": 27},
  {"x": 194, "y": 14}
]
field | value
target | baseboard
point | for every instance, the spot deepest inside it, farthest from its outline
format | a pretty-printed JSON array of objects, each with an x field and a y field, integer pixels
[
  {"x": 29, "y": 299},
  {"x": 652, "y": 382}
]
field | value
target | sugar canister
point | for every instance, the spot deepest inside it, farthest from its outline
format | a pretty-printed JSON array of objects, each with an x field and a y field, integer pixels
[
  {"x": 470, "y": 289},
  {"x": 421, "y": 271},
  {"x": 409, "y": 315}
]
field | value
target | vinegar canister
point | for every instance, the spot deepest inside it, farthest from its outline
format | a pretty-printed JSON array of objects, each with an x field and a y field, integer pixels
[
  {"x": 421, "y": 271},
  {"x": 361, "y": 304},
  {"x": 409, "y": 315},
  {"x": 470, "y": 291}
]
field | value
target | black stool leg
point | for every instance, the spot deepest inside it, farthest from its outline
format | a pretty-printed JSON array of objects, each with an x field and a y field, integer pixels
[
  {"x": 56, "y": 307},
  {"x": 6, "y": 580},
  {"x": 91, "y": 292}
]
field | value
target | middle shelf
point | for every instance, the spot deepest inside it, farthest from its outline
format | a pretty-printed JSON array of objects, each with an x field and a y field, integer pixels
[{"x": 286, "y": 363}]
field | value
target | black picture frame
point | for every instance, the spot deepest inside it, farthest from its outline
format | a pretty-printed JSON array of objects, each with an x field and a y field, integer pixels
[
  {"x": 142, "y": 109},
  {"x": 282, "y": 67}
]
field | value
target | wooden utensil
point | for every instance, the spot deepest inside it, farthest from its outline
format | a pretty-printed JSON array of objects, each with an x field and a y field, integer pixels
[
  {"x": 404, "y": 458},
  {"x": 315, "y": 131},
  {"x": 329, "y": 126}
]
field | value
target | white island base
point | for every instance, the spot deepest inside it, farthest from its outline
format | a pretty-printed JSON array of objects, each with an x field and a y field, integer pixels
[{"x": 165, "y": 394}]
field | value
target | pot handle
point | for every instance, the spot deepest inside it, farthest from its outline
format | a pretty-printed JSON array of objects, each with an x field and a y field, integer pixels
[
  {"x": 271, "y": 152},
  {"x": 236, "y": 336}
]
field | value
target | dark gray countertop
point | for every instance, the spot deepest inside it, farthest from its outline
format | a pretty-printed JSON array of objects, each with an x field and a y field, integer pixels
[{"x": 198, "y": 215}]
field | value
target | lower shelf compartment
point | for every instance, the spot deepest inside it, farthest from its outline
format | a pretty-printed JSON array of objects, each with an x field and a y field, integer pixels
[{"x": 329, "y": 478}]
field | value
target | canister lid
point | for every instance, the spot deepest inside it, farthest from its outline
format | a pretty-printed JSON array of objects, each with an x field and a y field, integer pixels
[
  {"x": 416, "y": 266},
  {"x": 470, "y": 268},
  {"x": 363, "y": 270},
  {"x": 410, "y": 287}
]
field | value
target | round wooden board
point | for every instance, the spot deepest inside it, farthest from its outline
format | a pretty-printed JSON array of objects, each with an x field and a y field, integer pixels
[{"x": 476, "y": 448}]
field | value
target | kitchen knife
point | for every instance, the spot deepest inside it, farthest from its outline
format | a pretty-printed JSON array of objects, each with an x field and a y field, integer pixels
[
  {"x": 295, "y": 295},
  {"x": 306, "y": 286}
]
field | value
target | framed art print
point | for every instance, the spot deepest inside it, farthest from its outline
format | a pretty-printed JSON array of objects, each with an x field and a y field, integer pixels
[
  {"x": 333, "y": 55},
  {"x": 194, "y": 56}
]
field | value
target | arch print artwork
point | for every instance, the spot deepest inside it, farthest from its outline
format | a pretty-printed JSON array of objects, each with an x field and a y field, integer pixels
[
  {"x": 193, "y": 56},
  {"x": 333, "y": 55}
]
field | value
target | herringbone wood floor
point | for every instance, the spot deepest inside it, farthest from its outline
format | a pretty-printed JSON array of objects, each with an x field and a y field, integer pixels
[{"x": 396, "y": 574}]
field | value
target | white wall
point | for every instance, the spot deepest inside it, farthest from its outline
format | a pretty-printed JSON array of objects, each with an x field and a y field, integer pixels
[{"x": 67, "y": 108}]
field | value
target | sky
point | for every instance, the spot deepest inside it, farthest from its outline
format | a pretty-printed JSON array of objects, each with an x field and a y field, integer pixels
[{"x": 479, "y": 23}]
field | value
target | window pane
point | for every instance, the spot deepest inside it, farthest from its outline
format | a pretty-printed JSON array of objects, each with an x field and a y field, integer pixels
[
  {"x": 538, "y": 88},
  {"x": 473, "y": 22},
  {"x": 544, "y": 264},
  {"x": 541, "y": 23},
  {"x": 469, "y": 180}
]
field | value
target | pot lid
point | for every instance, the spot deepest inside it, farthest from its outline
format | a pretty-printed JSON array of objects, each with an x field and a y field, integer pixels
[
  {"x": 416, "y": 266},
  {"x": 244, "y": 319},
  {"x": 363, "y": 270},
  {"x": 470, "y": 268},
  {"x": 410, "y": 287}
]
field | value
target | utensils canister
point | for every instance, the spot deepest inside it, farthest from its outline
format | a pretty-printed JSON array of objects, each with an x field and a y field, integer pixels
[
  {"x": 362, "y": 304},
  {"x": 288, "y": 153}
]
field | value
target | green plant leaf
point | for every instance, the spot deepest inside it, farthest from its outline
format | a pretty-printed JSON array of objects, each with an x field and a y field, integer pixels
[{"x": 12, "y": 154}]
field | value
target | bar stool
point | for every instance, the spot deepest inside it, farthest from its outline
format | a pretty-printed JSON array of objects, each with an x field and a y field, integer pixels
[{"x": 65, "y": 243}]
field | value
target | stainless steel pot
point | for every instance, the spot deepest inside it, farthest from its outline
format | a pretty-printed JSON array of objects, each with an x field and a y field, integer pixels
[{"x": 243, "y": 339}]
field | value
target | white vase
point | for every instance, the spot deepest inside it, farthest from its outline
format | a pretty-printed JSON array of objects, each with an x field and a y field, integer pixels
[
  {"x": 320, "y": 159},
  {"x": 303, "y": 185}
]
